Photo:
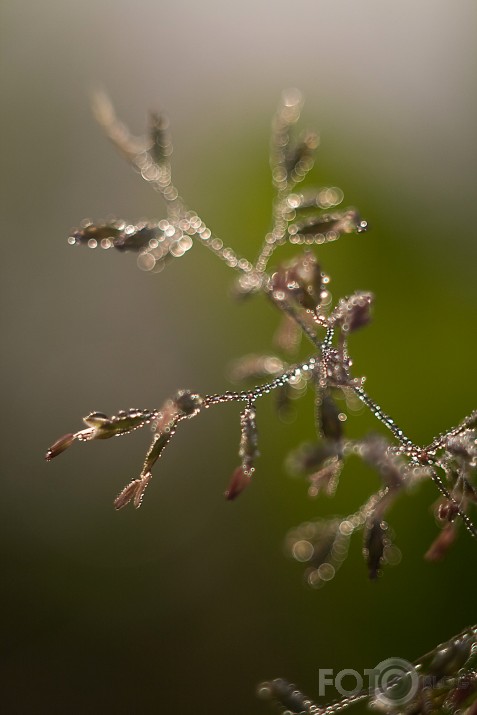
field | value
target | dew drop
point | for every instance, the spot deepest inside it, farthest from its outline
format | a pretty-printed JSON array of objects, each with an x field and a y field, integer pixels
[
  {"x": 326, "y": 572},
  {"x": 146, "y": 262},
  {"x": 346, "y": 528},
  {"x": 302, "y": 551}
]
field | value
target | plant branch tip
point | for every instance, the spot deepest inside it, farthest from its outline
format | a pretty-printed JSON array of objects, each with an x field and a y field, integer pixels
[{"x": 299, "y": 291}]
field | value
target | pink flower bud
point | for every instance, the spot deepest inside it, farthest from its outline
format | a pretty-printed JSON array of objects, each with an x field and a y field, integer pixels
[
  {"x": 134, "y": 492},
  {"x": 237, "y": 484},
  {"x": 441, "y": 545}
]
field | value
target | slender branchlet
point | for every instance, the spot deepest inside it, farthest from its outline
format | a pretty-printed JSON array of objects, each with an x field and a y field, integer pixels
[
  {"x": 442, "y": 681},
  {"x": 299, "y": 290}
]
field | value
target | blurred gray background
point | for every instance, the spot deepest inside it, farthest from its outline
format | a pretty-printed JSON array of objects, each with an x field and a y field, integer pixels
[{"x": 185, "y": 605}]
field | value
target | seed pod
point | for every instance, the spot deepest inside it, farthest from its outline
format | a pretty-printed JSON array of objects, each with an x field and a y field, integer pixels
[
  {"x": 309, "y": 272},
  {"x": 447, "y": 510},
  {"x": 125, "y": 496},
  {"x": 305, "y": 274},
  {"x": 117, "y": 234},
  {"x": 354, "y": 312},
  {"x": 122, "y": 423},
  {"x": 248, "y": 441},
  {"x": 92, "y": 234},
  {"x": 184, "y": 404},
  {"x": 323, "y": 225},
  {"x": 380, "y": 455},
  {"x": 248, "y": 452},
  {"x": 301, "y": 280},
  {"x": 161, "y": 148},
  {"x": 138, "y": 239},
  {"x": 374, "y": 543},
  {"x": 330, "y": 424},
  {"x": 287, "y": 696},
  {"x": 326, "y": 478},
  {"x": 134, "y": 492},
  {"x": 310, "y": 457},
  {"x": 322, "y": 545},
  {"x": 299, "y": 156},
  {"x": 159, "y": 443},
  {"x": 325, "y": 197},
  {"x": 442, "y": 543}
]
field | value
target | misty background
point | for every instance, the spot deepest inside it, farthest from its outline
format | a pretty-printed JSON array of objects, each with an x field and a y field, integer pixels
[{"x": 185, "y": 605}]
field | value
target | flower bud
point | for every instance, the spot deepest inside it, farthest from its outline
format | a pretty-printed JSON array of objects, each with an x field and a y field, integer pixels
[
  {"x": 310, "y": 457},
  {"x": 326, "y": 478},
  {"x": 248, "y": 450},
  {"x": 328, "y": 226},
  {"x": 134, "y": 492},
  {"x": 322, "y": 545},
  {"x": 59, "y": 446},
  {"x": 238, "y": 482},
  {"x": 286, "y": 694},
  {"x": 442, "y": 543},
  {"x": 447, "y": 510},
  {"x": 330, "y": 423},
  {"x": 93, "y": 234},
  {"x": 354, "y": 312},
  {"x": 298, "y": 160},
  {"x": 374, "y": 543},
  {"x": 158, "y": 445},
  {"x": 300, "y": 279},
  {"x": 142, "y": 237}
]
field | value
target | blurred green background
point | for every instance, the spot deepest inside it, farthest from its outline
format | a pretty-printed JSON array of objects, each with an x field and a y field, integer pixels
[{"x": 184, "y": 606}]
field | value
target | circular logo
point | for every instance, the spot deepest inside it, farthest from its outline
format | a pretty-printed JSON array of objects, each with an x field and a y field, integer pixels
[{"x": 396, "y": 682}]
